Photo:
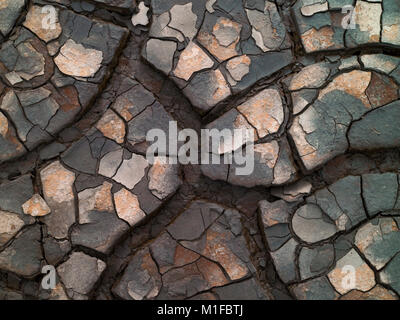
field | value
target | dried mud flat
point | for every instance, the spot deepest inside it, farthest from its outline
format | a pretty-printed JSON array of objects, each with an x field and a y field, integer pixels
[{"x": 77, "y": 192}]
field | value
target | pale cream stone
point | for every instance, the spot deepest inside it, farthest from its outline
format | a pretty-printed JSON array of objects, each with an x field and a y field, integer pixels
[{"x": 10, "y": 224}]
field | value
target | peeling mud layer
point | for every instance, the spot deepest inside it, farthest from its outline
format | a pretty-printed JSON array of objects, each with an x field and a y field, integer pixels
[{"x": 81, "y": 84}]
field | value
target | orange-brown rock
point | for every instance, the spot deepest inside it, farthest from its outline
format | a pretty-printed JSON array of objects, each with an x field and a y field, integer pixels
[
  {"x": 36, "y": 206},
  {"x": 77, "y": 61},
  {"x": 377, "y": 293},
  {"x": 97, "y": 199}
]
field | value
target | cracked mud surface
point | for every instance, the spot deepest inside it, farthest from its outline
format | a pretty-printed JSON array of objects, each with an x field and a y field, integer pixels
[{"x": 76, "y": 189}]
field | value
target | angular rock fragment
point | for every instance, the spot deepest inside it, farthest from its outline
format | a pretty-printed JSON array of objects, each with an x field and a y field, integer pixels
[
  {"x": 184, "y": 20},
  {"x": 100, "y": 232},
  {"x": 9, "y": 13},
  {"x": 110, "y": 163},
  {"x": 80, "y": 266},
  {"x": 310, "y": 10},
  {"x": 77, "y": 61},
  {"x": 379, "y": 192},
  {"x": 140, "y": 280},
  {"x": 238, "y": 68},
  {"x": 99, "y": 199},
  {"x": 274, "y": 213},
  {"x": 36, "y": 206},
  {"x": 379, "y": 241},
  {"x": 153, "y": 117},
  {"x": 13, "y": 194},
  {"x": 315, "y": 289},
  {"x": 193, "y": 278},
  {"x": 376, "y": 130},
  {"x": 131, "y": 171},
  {"x": 191, "y": 60},
  {"x": 220, "y": 41},
  {"x": 367, "y": 17},
  {"x": 128, "y": 207},
  {"x": 269, "y": 163},
  {"x": 80, "y": 157},
  {"x": 132, "y": 102},
  {"x": 311, "y": 77},
  {"x": 377, "y": 293},
  {"x": 10, "y": 224},
  {"x": 163, "y": 178},
  {"x": 38, "y": 21},
  {"x": 380, "y": 62},
  {"x": 268, "y": 30},
  {"x": 275, "y": 219},
  {"x": 293, "y": 192},
  {"x": 58, "y": 192},
  {"x": 353, "y": 263},
  {"x": 343, "y": 106},
  {"x": 334, "y": 202},
  {"x": 24, "y": 255},
  {"x": 264, "y": 112},
  {"x": 284, "y": 261},
  {"x": 207, "y": 89},
  {"x": 311, "y": 225},
  {"x": 55, "y": 251},
  {"x": 203, "y": 248},
  {"x": 391, "y": 22},
  {"x": 141, "y": 17},
  {"x": 390, "y": 274}
]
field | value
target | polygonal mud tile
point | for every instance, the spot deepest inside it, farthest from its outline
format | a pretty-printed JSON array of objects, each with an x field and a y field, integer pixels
[
  {"x": 331, "y": 24},
  {"x": 52, "y": 74},
  {"x": 331, "y": 120},
  {"x": 203, "y": 248},
  {"x": 331, "y": 250}
]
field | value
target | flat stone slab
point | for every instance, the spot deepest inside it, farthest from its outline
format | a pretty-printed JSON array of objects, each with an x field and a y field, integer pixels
[
  {"x": 258, "y": 118},
  {"x": 52, "y": 74},
  {"x": 332, "y": 25},
  {"x": 299, "y": 198},
  {"x": 329, "y": 248},
  {"x": 328, "y": 106},
  {"x": 202, "y": 250}
]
